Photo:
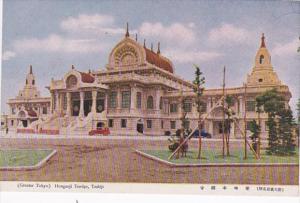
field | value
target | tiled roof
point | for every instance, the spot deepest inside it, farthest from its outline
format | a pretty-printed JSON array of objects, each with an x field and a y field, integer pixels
[
  {"x": 87, "y": 77},
  {"x": 31, "y": 113},
  {"x": 158, "y": 60}
]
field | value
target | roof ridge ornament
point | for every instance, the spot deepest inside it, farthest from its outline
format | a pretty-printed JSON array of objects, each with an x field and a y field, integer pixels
[
  {"x": 73, "y": 67},
  {"x": 136, "y": 37},
  {"x": 144, "y": 43},
  {"x": 158, "y": 48},
  {"x": 263, "y": 44},
  {"x": 30, "y": 69},
  {"x": 127, "y": 31}
]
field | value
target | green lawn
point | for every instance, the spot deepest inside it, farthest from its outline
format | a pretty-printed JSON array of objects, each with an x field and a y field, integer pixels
[
  {"x": 211, "y": 156},
  {"x": 27, "y": 157}
]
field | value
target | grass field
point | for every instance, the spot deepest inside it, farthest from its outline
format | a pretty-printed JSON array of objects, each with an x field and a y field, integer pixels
[
  {"x": 27, "y": 157},
  {"x": 236, "y": 156}
]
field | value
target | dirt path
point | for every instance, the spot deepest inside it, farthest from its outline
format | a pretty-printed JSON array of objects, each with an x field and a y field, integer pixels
[{"x": 91, "y": 160}]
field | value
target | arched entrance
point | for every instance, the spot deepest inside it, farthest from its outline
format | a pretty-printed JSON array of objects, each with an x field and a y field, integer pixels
[
  {"x": 22, "y": 116},
  {"x": 100, "y": 125},
  {"x": 100, "y": 102},
  {"x": 87, "y": 105},
  {"x": 217, "y": 122},
  {"x": 75, "y": 101},
  {"x": 140, "y": 126}
]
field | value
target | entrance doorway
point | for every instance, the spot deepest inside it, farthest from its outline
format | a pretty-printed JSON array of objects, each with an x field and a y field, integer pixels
[
  {"x": 75, "y": 108},
  {"x": 87, "y": 106},
  {"x": 100, "y": 105},
  {"x": 100, "y": 125},
  {"x": 140, "y": 126},
  {"x": 24, "y": 123}
]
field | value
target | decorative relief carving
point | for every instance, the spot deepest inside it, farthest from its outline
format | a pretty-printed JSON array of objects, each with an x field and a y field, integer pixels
[
  {"x": 71, "y": 81},
  {"x": 125, "y": 56}
]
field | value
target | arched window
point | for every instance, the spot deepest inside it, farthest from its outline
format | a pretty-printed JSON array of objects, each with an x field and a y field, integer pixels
[
  {"x": 261, "y": 59},
  {"x": 138, "y": 100},
  {"x": 160, "y": 103},
  {"x": 150, "y": 102}
]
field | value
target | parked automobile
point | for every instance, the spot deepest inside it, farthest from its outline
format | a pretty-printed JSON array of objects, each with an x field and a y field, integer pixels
[
  {"x": 100, "y": 131},
  {"x": 204, "y": 134}
]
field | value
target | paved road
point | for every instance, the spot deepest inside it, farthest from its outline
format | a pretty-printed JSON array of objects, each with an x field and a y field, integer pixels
[{"x": 114, "y": 137}]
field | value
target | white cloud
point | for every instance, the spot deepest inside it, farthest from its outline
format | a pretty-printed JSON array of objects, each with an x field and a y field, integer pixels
[
  {"x": 287, "y": 49},
  {"x": 183, "y": 56},
  {"x": 92, "y": 24},
  {"x": 56, "y": 43},
  {"x": 86, "y": 22},
  {"x": 7, "y": 55},
  {"x": 228, "y": 33},
  {"x": 178, "y": 33}
]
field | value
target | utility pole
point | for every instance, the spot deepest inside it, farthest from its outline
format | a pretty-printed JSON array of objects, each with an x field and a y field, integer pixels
[
  {"x": 245, "y": 119},
  {"x": 223, "y": 106}
]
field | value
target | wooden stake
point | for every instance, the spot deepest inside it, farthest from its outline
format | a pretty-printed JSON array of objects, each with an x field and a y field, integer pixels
[
  {"x": 247, "y": 143},
  {"x": 223, "y": 121},
  {"x": 259, "y": 124},
  {"x": 245, "y": 120}
]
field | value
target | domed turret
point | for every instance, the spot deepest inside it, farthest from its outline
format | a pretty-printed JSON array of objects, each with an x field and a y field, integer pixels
[{"x": 262, "y": 73}]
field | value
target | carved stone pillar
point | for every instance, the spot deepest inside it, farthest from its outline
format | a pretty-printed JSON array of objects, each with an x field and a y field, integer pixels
[
  {"x": 56, "y": 102},
  {"x": 232, "y": 130},
  {"x": 208, "y": 104},
  {"x": 119, "y": 98},
  {"x": 94, "y": 101},
  {"x": 133, "y": 98},
  {"x": 68, "y": 103},
  {"x": 106, "y": 102},
  {"x": 241, "y": 105},
  {"x": 157, "y": 99},
  {"x": 81, "y": 111}
]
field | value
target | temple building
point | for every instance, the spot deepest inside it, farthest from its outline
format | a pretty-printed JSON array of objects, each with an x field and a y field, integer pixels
[
  {"x": 28, "y": 106},
  {"x": 139, "y": 93}
]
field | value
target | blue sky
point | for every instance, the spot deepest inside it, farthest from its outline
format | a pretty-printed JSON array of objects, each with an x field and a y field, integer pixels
[{"x": 53, "y": 35}]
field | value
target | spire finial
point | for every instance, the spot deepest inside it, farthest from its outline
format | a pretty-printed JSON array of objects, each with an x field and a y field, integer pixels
[
  {"x": 151, "y": 46},
  {"x": 136, "y": 38},
  {"x": 158, "y": 48},
  {"x": 144, "y": 43},
  {"x": 127, "y": 31},
  {"x": 30, "y": 69},
  {"x": 263, "y": 45},
  {"x": 73, "y": 67}
]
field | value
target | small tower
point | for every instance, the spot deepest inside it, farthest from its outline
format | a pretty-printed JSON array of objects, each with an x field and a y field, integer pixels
[
  {"x": 158, "y": 48},
  {"x": 30, "y": 90},
  {"x": 30, "y": 80},
  {"x": 263, "y": 58},
  {"x": 262, "y": 72}
]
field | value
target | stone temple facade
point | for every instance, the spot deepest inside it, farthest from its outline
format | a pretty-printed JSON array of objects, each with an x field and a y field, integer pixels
[
  {"x": 138, "y": 93},
  {"x": 28, "y": 106}
]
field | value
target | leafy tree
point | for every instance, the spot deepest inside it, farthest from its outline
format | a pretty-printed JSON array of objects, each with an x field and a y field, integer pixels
[
  {"x": 255, "y": 130},
  {"x": 280, "y": 123},
  {"x": 285, "y": 127},
  {"x": 199, "y": 89},
  {"x": 298, "y": 119},
  {"x": 228, "y": 121},
  {"x": 298, "y": 111}
]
